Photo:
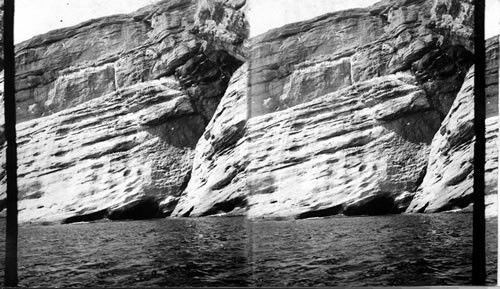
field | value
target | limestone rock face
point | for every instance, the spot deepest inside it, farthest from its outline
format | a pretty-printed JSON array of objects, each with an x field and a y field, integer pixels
[
  {"x": 492, "y": 126},
  {"x": 340, "y": 114},
  {"x": 151, "y": 114},
  {"x": 448, "y": 183},
  {"x": 124, "y": 147},
  {"x": 388, "y": 37},
  {"x": 111, "y": 110},
  {"x": 353, "y": 151},
  {"x": 69, "y": 66},
  {"x": 218, "y": 180}
]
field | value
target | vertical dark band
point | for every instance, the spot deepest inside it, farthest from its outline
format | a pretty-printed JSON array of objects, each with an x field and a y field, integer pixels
[
  {"x": 478, "y": 251},
  {"x": 10, "y": 136}
]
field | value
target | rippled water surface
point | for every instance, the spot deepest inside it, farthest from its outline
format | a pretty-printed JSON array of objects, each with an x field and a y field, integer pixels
[{"x": 387, "y": 250}]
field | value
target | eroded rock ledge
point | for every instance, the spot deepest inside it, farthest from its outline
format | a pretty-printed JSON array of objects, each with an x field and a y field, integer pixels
[
  {"x": 110, "y": 110},
  {"x": 342, "y": 117},
  {"x": 173, "y": 111}
]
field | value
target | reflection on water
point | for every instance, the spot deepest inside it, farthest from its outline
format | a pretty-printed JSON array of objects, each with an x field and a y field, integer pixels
[{"x": 386, "y": 250}]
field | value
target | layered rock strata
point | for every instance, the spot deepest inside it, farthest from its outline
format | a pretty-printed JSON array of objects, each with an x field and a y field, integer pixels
[
  {"x": 353, "y": 151},
  {"x": 341, "y": 113},
  {"x": 153, "y": 114},
  {"x": 448, "y": 183},
  {"x": 69, "y": 66},
  {"x": 110, "y": 110}
]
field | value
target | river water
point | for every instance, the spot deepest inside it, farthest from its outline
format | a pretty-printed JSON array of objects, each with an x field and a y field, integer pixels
[{"x": 356, "y": 251}]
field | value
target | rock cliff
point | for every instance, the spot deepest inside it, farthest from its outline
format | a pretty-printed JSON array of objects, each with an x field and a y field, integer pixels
[
  {"x": 110, "y": 110},
  {"x": 173, "y": 111},
  {"x": 341, "y": 116},
  {"x": 449, "y": 179}
]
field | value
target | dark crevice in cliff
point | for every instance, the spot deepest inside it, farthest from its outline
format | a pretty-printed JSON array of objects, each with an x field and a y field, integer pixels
[
  {"x": 185, "y": 181},
  {"x": 459, "y": 202},
  {"x": 226, "y": 206},
  {"x": 381, "y": 204},
  {"x": 94, "y": 216},
  {"x": 335, "y": 210},
  {"x": 440, "y": 71},
  {"x": 420, "y": 179},
  {"x": 147, "y": 208},
  {"x": 188, "y": 213},
  {"x": 422, "y": 210},
  {"x": 2, "y": 204},
  {"x": 205, "y": 77}
]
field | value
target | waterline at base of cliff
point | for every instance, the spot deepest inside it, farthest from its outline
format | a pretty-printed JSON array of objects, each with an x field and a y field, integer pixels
[{"x": 409, "y": 250}]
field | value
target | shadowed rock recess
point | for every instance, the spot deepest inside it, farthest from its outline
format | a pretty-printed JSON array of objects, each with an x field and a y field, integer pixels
[{"x": 172, "y": 110}]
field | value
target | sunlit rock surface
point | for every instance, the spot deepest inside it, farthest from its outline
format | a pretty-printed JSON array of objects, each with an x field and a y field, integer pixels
[
  {"x": 113, "y": 150},
  {"x": 110, "y": 110},
  {"x": 171, "y": 110},
  {"x": 69, "y": 66},
  {"x": 218, "y": 180},
  {"x": 340, "y": 114},
  {"x": 448, "y": 184},
  {"x": 353, "y": 151}
]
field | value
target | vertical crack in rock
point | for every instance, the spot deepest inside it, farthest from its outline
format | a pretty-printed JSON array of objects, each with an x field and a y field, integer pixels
[{"x": 205, "y": 77}]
